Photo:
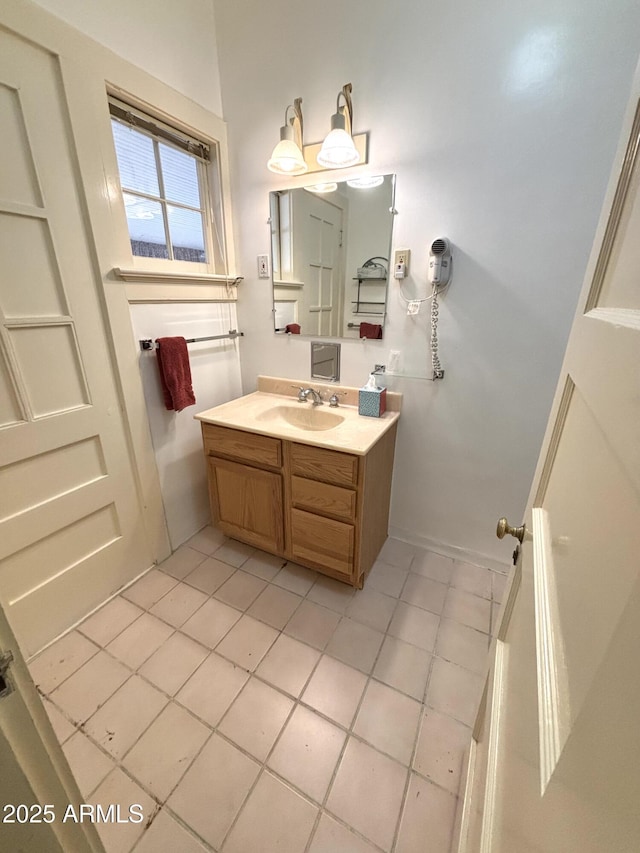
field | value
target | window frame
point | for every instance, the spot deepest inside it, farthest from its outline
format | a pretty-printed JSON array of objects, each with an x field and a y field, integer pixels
[{"x": 213, "y": 191}]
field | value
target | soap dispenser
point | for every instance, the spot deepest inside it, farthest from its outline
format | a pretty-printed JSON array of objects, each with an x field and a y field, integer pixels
[{"x": 372, "y": 400}]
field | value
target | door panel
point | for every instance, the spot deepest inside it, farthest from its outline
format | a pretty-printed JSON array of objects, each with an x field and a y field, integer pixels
[
  {"x": 70, "y": 531},
  {"x": 247, "y": 503},
  {"x": 317, "y": 255}
]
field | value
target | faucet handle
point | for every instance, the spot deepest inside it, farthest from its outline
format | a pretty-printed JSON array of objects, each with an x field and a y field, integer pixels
[
  {"x": 333, "y": 399},
  {"x": 301, "y": 397}
]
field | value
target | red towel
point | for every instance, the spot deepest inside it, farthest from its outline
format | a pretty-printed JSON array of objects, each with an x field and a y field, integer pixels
[
  {"x": 292, "y": 329},
  {"x": 175, "y": 373},
  {"x": 371, "y": 331}
]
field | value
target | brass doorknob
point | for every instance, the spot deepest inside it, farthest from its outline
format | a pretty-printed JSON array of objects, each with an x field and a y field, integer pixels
[{"x": 504, "y": 527}]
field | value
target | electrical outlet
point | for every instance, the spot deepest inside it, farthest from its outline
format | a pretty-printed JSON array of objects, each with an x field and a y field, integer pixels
[
  {"x": 263, "y": 266},
  {"x": 402, "y": 256}
]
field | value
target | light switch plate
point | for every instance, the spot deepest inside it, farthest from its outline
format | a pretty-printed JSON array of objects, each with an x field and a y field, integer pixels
[{"x": 263, "y": 266}]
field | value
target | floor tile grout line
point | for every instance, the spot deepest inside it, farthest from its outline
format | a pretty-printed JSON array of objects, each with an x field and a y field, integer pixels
[
  {"x": 225, "y": 541},
  {"x": 212, "y": 595},
  {"x": 411, "y": 762},
  {"x": 209, "y": 651},
  {"x": 176, "y": 817},
  {"x": 297, "y": 700},
  {"x": 405, "y": 793},
  {"x": 351, "y": 734},
  {"x": 39, "y": 687},
  {"x": 264, "y": 766}
]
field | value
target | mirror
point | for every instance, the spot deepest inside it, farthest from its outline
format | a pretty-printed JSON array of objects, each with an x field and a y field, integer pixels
[
  {"x": 330, "y": 254},
  {"x": 325, "y": 361}
]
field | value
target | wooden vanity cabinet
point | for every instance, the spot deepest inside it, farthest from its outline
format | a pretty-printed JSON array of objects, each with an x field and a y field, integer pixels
[
  {"x": 245, "y": 486},
  {"x": 325, "y": 509}
]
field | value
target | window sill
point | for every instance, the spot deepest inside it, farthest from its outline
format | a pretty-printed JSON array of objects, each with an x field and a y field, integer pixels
[
  {"x": 174, "y": 277},
  {"x": 148, "y": 286}
]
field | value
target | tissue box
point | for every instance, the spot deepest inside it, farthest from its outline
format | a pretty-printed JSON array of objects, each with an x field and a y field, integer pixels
[{"x": 372, "y": 403}]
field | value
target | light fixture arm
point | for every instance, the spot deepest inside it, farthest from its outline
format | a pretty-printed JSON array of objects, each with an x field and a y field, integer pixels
[
  {"x": 295, "y": 122},
  {"x": 347, "y": 109}
]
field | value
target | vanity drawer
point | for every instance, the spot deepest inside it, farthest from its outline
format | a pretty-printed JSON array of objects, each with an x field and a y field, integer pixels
[
  {"x": 330, "y": 466},
  {"x": 323, "y": 541},
  {"x": 323, "y": 498},
  {"x": 245, "y": 446}
]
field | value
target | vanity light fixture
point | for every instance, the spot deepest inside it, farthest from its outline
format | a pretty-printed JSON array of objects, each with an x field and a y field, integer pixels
[
  {"x": 287, "y": 157},
  {"x": 366, "y": 182},
  {"x": 338, "y": 149},
  {"x": 322, "y": 188}
]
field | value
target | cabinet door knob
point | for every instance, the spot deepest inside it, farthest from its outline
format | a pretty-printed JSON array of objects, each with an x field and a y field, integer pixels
[{"x": 504, "y": 527}]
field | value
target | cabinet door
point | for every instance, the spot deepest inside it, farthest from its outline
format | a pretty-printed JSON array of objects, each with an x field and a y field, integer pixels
[
  {"x": 322, "y": 541},
  {"x": 247, "y": 503}
]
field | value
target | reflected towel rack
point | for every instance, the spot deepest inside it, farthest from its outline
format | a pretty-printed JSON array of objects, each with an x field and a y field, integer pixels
[
  {"x": 353, "y": 325},
  {"x": 148, "y": 343}
]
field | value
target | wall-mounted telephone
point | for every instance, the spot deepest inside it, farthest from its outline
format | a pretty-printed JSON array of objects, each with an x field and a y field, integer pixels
[{"x": 439, "y": 262}]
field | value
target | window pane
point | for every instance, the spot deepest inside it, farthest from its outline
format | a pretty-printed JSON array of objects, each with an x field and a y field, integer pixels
[
  {"x": 180, "y": 176},
  {"x": 136, "y": 160},
  {"x": 185, "y": 231},
  {"x": 146, "y": 227}
]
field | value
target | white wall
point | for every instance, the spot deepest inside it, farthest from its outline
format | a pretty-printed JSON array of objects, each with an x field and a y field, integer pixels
[
  {"x": 173, "y": 41},
  {"x": 176, "y": 436},
  {"x": 501, "y": 122}
]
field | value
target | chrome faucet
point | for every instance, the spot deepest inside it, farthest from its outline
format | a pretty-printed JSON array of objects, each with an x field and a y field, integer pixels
[
  {"x": 303, "y": 395},
  {"x": 316, "y": 399}
]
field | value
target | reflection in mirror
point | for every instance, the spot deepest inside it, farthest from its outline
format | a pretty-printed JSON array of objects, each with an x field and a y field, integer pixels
[
  {"x": 330, "y": 250},
  {"x": 325, "y": 360}
]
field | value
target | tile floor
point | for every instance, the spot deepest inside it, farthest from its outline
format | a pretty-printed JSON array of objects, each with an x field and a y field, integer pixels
[{"x": 251, "y": 705}]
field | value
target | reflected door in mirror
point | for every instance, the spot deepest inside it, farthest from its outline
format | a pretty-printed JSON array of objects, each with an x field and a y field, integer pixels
[{"x": 321, "y": 243}]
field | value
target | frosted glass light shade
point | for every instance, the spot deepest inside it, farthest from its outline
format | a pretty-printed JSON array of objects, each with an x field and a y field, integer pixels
[
  {"x": 338, "y": 150},
  {"x": 366, "y": 182},
  {"x": 322, "y": 188},
  {"x": 287, "y": 159}
]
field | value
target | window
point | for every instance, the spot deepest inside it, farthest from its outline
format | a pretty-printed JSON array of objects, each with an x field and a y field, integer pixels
[{"x": 166, "y": 179}]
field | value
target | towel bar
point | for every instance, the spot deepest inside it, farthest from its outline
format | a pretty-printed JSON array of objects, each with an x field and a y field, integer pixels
[{"x": 149, "y": 344}]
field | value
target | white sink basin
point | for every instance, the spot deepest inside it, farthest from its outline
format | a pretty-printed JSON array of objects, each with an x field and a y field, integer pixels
[{"x": 302, "y": 416}]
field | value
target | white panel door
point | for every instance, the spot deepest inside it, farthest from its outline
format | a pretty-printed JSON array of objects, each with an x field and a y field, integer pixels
[
  {"x": 317, "y": 259},
  {"x": 35, "y": 772},
  {"x": 70, "y": 531},
  {"x": 555, "y": 764}
]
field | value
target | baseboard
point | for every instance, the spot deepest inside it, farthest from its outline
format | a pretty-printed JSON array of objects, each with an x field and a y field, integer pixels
[{"x": 446, "y": 550}]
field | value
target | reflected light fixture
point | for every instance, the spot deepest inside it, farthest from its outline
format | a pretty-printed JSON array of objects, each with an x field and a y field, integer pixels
[
  {"x": 322, "y": 188},
  {"x": 287, "y": 157},
  {"x": 366, "y": 182},
  {"x": 338, "y": 149}
]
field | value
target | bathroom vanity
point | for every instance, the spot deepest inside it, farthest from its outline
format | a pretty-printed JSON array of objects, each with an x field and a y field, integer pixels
[{"x": 309, "y": 483}]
